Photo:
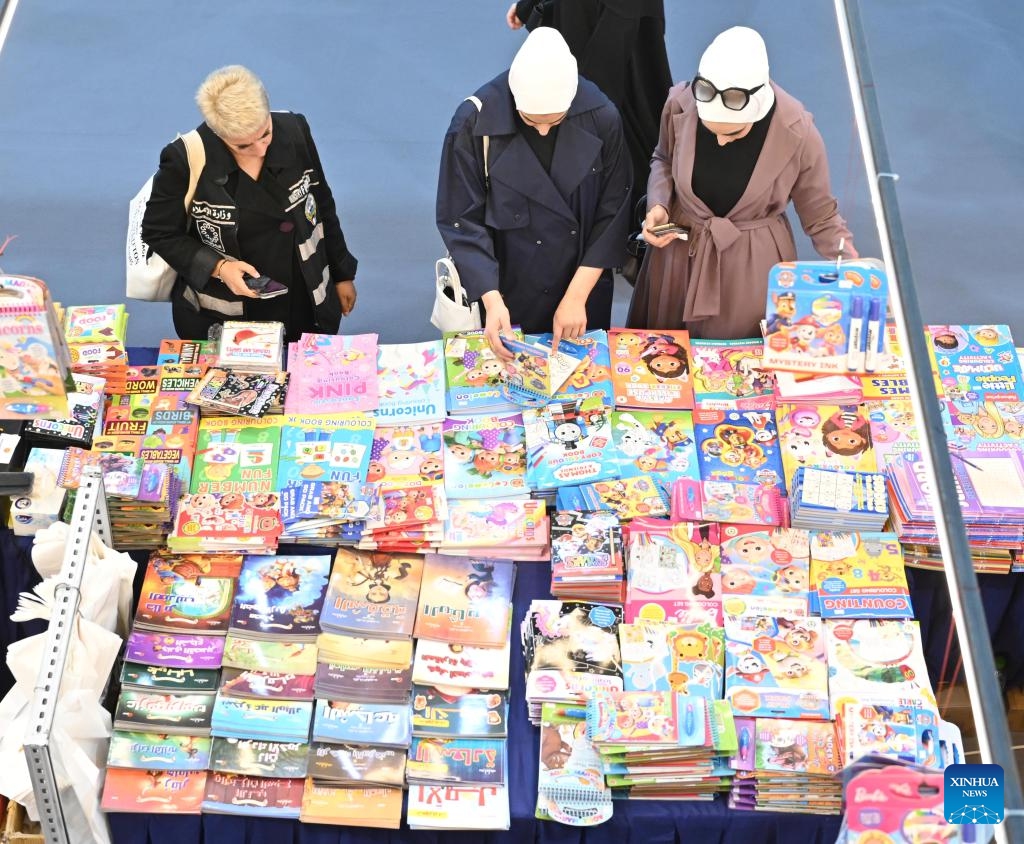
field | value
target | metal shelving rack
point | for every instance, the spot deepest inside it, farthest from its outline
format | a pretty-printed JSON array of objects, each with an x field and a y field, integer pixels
[{"x": 90, "y": 513}]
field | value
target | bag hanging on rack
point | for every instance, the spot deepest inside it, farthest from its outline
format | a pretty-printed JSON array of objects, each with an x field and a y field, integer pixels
[
  {"x": 452, "y": 309},
  {"x": 148, "y": 276}
]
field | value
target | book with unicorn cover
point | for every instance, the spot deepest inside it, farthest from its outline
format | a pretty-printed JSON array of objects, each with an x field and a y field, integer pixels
[{"x": 410, "y": 383}]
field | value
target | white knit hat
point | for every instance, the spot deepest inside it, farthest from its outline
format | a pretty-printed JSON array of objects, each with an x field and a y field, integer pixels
[
  {"x": 543, "y": 77},
  {"x": 737, "y": 58}
]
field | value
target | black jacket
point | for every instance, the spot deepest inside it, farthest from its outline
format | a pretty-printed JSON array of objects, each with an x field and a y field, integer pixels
[{"x": 285, "y": 225}]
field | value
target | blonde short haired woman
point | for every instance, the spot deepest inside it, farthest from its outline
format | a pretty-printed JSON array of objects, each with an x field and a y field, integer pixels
[{"x": 262, "y": 209}]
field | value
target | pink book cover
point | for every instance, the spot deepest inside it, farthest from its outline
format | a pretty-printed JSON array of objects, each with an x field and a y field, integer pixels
[{"x": 333, "y": 374}]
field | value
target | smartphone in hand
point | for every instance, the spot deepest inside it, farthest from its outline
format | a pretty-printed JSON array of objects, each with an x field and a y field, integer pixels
[
  {"x": 265, "y": 286},
  {"x": 670, "y": 228}
]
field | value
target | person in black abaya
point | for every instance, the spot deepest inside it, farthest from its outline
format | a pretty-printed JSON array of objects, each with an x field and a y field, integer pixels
[{"x": 620, "y": 47}]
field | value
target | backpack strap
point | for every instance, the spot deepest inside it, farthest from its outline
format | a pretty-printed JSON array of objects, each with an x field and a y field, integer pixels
[
  {"x": 487, "y": 143},
  {"x": 195, "y": 152}
]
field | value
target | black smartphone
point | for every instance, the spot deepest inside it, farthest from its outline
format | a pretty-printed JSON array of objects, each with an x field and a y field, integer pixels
[{"x": 265, "y": 286}]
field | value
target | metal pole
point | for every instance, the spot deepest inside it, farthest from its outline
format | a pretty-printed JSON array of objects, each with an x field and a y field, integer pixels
[{"x": 961, "y": 581}]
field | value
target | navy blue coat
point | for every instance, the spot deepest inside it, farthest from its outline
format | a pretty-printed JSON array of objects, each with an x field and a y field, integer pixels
[{"x": 528, "y": 233}]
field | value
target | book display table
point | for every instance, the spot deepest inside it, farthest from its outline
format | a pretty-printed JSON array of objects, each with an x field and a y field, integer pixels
[{"x": 652, "y": 822}]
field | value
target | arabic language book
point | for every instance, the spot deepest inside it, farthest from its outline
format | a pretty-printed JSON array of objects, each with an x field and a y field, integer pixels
[
  {"x": 158, "y": 751},
  {"x": 456, "y": 760},
  {"x": 268, "y": 685},
  {"x": 470, "y": 713},
  {"x": 372, "y": 594},
  {"x": 271, "y": 720},
  {"x": 458, "y": 807},
  {"x": 256, "y": 758},
  {"x": 178, "y": 714},
  {"x": 163, "y": 678},
  {"x": 281, "y": 596},
  {"x": 386, "y": 724},
  {"x": 153, "y": 791},
  {"x": 460, "y": 666},
  {"x": 180, "y": 594},
  {"x": 280, "y": 657},
  {"x": 175, "y": 649},
  {"x": 348, "y": 805},
  {"x": 356, "y": 764},
  {"x": 268, "y": 797},
  {"x": 465, "y": 600}
]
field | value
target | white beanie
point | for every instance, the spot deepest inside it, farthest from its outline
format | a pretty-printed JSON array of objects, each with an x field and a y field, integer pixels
[
  {"x": 737, "y": 58},
  {"x": 543, "y": 77}
]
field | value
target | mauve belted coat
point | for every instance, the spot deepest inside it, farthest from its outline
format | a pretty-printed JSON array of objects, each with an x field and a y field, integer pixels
[{"x": 715, "y": 285}]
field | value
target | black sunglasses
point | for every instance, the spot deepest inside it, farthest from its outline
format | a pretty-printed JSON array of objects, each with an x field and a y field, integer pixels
[{"x": 734, "y": 99}]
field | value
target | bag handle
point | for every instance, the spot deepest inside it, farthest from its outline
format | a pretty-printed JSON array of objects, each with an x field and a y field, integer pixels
[
  {"x": 487, "y": 143},
  {"x": 195, "y": 152}
]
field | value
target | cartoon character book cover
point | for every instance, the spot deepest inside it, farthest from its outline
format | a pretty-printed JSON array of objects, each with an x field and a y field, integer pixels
[
  {"x": 373, "y": 594},
  {"x": 765, "y": 571},
  {"x": 325, "y": 447},
  {"x": 484, "y": 456},
  {"x": 281, "y": 595},
  {"x": 739, "y": 446},
  {"x": 656, "y": 442},
  {"x": 776, "y": 667},
  {"x": 465, "y": 600},
  {"x": 651, "y": 369},
  {"x": 569, "y": 443}
]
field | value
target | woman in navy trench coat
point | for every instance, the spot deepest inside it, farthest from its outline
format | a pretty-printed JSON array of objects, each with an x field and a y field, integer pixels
[{"x": 527, "y": 232}]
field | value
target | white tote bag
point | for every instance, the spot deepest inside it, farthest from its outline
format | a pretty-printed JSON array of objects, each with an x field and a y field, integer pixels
[
  {"x": 149, "y": 277},
  {"x": 452, "y": 309}
]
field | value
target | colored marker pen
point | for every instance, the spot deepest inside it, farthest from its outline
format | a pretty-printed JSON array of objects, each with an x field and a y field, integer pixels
[
  {"x": 853, "y": 347},
  {"x": 874, "y": 335}
]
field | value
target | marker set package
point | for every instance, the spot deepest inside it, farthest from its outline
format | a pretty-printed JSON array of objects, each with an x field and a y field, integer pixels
[{"x": 827, "y": 317}]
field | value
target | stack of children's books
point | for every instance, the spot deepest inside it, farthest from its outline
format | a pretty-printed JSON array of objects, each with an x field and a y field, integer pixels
[
  {"x": 96, "y": 336},
  {"x": 229, "y": 392},
  {"x": 264, "y": 706},
  {"x": 570, "y": 651},
  {"x": 658, "y": 745},
  {"x": 819, "y": 498},
  {"x": 362, "y": 724},
  {"x": 332, "y": 374},
  {"x": 460, "y": 700},
  {"x": 587, "y": 559},
  {"x": 161, "y": 748}
]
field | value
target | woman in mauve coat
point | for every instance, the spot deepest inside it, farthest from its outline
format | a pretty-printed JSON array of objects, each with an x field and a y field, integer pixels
[{"x": 728, "y": 174}]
